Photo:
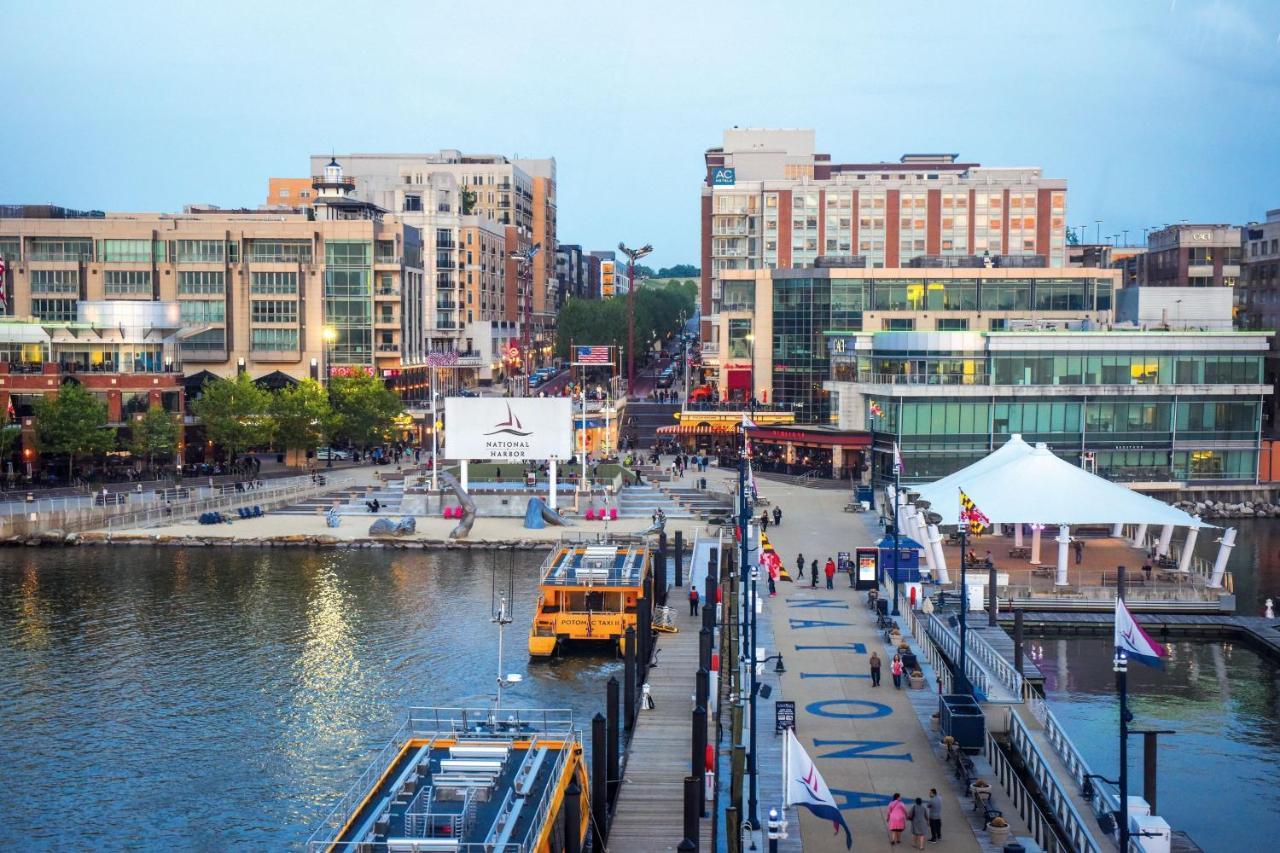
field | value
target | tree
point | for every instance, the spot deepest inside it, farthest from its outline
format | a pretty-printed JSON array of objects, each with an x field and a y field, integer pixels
[
  {"x": 364, "y": 407},
  {"x": 679, "y": 271},
  {"x": 235, "y": 413},
  {"x": 302, "y": 416},
  {"x": 468, "y": 200},
  {"x": 643, "y": 271},
  {"x": 154, "y": 434},
  {"x": 75, "y": 423}
]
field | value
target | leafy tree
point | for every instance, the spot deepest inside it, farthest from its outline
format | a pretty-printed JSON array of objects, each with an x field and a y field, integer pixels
[
  {"x": 235, "y": 413},
  {"x": 302, "y": 416},
  {"x": 364, "y": 407},
  {"x": 604, "y": 321},
  {"x": 468, "y": 201},
  {"x": 155, "y": 434},
  {"x": 75, "y": 423},
  {"x": 643, "y": 271},
  {"x": 679, "y": 271},
  {"x": 10, "y": 437}
]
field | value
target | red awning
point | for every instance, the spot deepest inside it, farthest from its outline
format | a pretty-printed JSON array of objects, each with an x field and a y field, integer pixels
[
  {"x": 694, "y": 429},
  {"x": 738, "y": 380},
  {"x": 811, "y": 438}
]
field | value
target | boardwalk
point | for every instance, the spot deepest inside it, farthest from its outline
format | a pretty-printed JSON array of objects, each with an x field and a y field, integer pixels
[{"x": 649, "y": 813}]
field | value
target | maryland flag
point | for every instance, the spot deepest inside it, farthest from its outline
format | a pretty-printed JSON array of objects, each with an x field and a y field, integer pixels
[
  {"x": 876, "y": 411},
  {"x": 971, "y": 515}
]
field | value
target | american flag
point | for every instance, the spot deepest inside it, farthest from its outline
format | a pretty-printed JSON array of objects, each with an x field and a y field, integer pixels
[{"x": 591, "y": 355}]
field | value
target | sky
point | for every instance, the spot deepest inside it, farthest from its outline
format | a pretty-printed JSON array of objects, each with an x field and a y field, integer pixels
[{"x": 1155, "y": 111}]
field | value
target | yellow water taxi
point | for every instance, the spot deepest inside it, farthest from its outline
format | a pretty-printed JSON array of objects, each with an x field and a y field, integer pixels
[{"x": 588, "y": 594}]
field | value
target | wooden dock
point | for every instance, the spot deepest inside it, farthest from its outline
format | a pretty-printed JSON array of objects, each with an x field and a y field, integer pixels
[{"x": 648, "y": 817}]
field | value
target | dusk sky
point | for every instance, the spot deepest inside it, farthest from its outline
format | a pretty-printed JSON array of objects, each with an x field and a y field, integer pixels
[{"x": 1154, "y": 111}]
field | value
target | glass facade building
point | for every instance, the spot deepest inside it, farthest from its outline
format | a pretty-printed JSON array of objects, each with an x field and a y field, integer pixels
[{"x": 1131, "y": 406}]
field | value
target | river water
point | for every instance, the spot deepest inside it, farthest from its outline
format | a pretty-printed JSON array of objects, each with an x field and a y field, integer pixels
[
  {"x": 1254, "y": 562},
  {"x": 1217, "y": 774},
  {"x": 218, "y": 699}
]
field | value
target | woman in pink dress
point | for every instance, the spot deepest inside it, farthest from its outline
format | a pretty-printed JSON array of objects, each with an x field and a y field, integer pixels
[{"x": 897, "y": 819}]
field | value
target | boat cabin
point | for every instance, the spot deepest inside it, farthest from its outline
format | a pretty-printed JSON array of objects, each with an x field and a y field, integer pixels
[{"x": 588, "y": 593}]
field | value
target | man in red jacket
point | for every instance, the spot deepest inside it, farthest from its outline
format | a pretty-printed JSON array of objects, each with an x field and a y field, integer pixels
[{"x": 830, "y": 571}]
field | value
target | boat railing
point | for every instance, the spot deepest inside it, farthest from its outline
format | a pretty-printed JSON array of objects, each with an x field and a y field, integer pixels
[
  {"x": 543, "y": 813},
  {"x": 485, "y": 723},
  {"x": 349, "y": 802}
]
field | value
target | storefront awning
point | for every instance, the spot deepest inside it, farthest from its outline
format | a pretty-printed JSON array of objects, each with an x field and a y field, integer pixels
[
  {"x": 811, "y": 437},
  {"x": 695, "y": 429}
]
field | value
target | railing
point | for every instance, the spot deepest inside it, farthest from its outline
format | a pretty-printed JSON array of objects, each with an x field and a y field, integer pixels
[
  {"x": 1028, "y": 809},
  {"x": 917, "y": 629},
  {"x": 1004, "y": 671},
  {"x": 950, "y": 644},
  {"x": 386, "y": 259},
  {"x": 1198, "y": 566},
  {"x": 1072, "y": 825},
  {"x": 923, "y": 379},
  {"x": 279, "y": 492}
]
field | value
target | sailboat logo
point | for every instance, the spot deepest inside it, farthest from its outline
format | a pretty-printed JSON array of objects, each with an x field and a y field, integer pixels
[{"x": 511, "y": 426}]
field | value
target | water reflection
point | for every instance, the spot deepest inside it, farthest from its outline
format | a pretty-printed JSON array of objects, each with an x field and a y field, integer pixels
[
  {"x": 1223, "y": 700},
  {"x": 223, "y": 698}
]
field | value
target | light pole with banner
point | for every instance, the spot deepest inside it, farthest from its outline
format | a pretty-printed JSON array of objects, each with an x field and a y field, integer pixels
[
  {"x": 435, "y": 361},
  {"x": 633, "y": 255}
]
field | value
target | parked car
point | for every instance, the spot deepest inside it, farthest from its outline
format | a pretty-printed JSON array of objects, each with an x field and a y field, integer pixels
[
  {"x": 327, "y": 453},
  {"x": 468, "y": 392}
]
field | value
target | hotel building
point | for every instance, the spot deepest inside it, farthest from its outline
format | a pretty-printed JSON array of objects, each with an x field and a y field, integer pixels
[{"x": 770, "y": 200}]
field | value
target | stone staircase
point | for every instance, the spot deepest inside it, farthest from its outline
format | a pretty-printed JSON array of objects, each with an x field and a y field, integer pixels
[
  {"x": 642, "y": 501},
  {"x": 702, "y": 504},
  {"x": 352, "y": 502}
]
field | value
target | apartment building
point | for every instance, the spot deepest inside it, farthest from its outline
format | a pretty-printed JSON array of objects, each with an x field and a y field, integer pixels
[
  {"x": 572, "y": 273},
  {"x": 1258, "y": 297},
  {"x": 290, "y": 192},
  {"x": 482, "y": 259},
  {"x": 1187, "y": 256},
  {"x": 433, "y": 191},
  {"x": 335, "y": 288},
  {"x": 771, "y": 200}
]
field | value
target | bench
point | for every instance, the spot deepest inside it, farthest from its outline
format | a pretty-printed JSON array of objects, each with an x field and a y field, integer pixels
[
  {"x": 1131, "y": 579},
  {"x": 1019, "y": 551},
  {"x": 1044, "y": 571}
]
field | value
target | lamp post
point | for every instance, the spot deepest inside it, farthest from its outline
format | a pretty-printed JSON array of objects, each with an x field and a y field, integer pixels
[
  {"x": 329, "y": 335},
  {"x": 897, "y": 547},
  {"x": 524, "y": 264},
  {"x": 747, "y": 582},
  {"x": 633, "y": 255},
  {"x": 961, "y": 683}
]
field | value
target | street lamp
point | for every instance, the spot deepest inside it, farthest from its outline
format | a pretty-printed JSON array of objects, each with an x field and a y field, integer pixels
[
  {"x": 633, "y": 255},
  {"x": 524, "y": 262},
  {"x": 329, "y": 334}
]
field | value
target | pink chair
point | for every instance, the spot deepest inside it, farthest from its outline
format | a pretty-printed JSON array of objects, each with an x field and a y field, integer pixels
[
  {"x": 613, "y": 514},
  {"x": 590, "y": 514}
]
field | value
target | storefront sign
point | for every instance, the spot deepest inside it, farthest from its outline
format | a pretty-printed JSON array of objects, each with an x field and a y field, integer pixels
[{"x": 724, "y": 177}]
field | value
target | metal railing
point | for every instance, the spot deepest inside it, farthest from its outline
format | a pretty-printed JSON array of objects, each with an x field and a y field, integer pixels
[
  {"x": 999, "y": 666},
  {"x": 1071, "y": 823},
  {"x": 277, "y": 492},
  {"x": 950, "y": 644},
  {"x": 922, "y": 379},
  {"x": 1028, "y": 809}
]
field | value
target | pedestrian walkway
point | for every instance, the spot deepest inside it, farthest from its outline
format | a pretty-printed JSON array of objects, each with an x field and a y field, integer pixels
[{"x": 868, "y": 742}]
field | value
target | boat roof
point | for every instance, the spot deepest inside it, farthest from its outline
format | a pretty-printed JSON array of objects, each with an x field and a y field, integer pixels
[
  {"x": 456, "y": 780},
  {"x": 607, "y": 565}
]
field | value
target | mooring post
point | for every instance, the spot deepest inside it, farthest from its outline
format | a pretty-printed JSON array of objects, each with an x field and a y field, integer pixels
[
  {"x": 698, "y": 754},
  {"x": 614, "y": 736},
  {"x": 644, "y": 620},
  {"x": 573, "y": 817},
  {"x": 732, "y": 824},
  {"x": 1149, "y": 746},
  {"x": 629, "y": 678},
  {"x": 704, "y": 648},
  {"x": 1017, "y": 640},
  {"x": 690, "y": 832},
  {"x": 702, "y": 690},
  {"x": 660, "y": 570},
  {"x": 599, "y": 782},
  {"x": 679, "y": 558},
  {"x": 993, "y": 602}
]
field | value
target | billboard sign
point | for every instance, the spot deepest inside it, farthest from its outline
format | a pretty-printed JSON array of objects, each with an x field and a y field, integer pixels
[
  {"x": 508, "y": 428},
  {"x": 724, "y": 177},
  {"x": 606, "y": 278}
]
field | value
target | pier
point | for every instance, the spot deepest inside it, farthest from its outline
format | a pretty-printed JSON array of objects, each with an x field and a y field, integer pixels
[{"x": 1262, "y": 633}]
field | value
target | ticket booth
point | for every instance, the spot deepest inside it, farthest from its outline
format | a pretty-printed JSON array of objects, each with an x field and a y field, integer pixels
[
  {"x": 907, "y": 562},
  {"x": 867, "y": 567}
]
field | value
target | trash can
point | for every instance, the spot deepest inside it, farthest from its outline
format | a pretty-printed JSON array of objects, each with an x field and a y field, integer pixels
[
  {"x": 882, "y": 606},
  {"x": 702, "y": 483},
  {"x": 960, "y": 717},
  {"x": 910, "y": 662}
]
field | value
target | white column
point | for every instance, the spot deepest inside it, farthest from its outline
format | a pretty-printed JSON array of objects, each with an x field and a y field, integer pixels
[
  {"x": 1063, "y": 540},
  {"x": 1140, "y": 536},
  {"x": 1017, "y": 535},
  {"x": 1166, "y": 536},
  {"x": 465, "y": 480},
  {"x": 551, "y": 490},
  {"x": 1228, "y": 541},
  {"x": 939, "y": 556},
  {"x": 1035, "y": 544},
  {"x": 920, "y": 533},
  {"x": 1189, "y": 547},
  {"x": 1117, "y": 529}
]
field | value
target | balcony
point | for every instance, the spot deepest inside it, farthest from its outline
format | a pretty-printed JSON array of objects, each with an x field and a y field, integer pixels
[
  {"x": 387, "y": 321},
  {"x": 386, "y": 293},
  {"x": 446, "y": 305},
  {"x": 916, "y": 379},
  {"x": 345, "y": 182},
  {"x": 446, "y": 244},
  {"x": 388, "y": 349},
  {"x": 445, "y": 265},
  {"x": 393, "y": 260}
]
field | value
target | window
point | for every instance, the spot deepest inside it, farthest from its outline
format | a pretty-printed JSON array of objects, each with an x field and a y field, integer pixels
[
  {"x": 54, "y": 250},
  {"x": 54, "y": 310},
  {"x": 273, "y": 282},
  {"x": 952, "y": 324},
  {"x": 273, "y": 340},
  {"x": 412, "y": 203},
  {"x": 347, "y": 253},
  {"x": 274, "y": 311},
  {"x": 127, "y": 282},
  {"x": 10, "y": 248},
  {"x": 210, "y": 341},
  {"x": 280, "y": 251},
  {"x": 198, "y": 251},
  {"x": 133, "y": 251},
  {"x": 55, "y": 281},
  {"x": 211, "y": 281},
  {"x": 899, "y": 324},
  {"x": 200, "y": 311}
]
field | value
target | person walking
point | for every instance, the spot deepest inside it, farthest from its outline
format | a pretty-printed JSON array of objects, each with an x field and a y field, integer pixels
[
  {"x": 813, "y": 572},
  {"x": 875, "y": 670},
  {"x": 800, "y": 567},
  {"x": 1078, "y": 547},
  {"x": 777, "y": 516},
  {"x": 919, "y": 824},
  {"x": 934, "y": 804},
  {"x": 895, "y": 669},
  {"x": 830, "y": 572},
  {"x": 896, "y": 819},
  {"x": 693, "y": 601},
  {"x": 764, "y": 521}
]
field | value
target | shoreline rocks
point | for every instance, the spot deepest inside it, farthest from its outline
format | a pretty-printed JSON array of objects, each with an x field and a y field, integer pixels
[{"x": 1208, "y": 509}]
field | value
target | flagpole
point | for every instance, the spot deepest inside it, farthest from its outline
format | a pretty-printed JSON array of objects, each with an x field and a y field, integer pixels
[
  {"x": 961, "y": 683},
  {"x": 871, "y": 462},
  {"x": 897, "y": 551},
  {"x": 1122, "y": 687}
]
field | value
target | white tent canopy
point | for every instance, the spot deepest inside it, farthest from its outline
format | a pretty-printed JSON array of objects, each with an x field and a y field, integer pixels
[
  {"x": 944, "y": 490},
  {"x": 1037, "y": 487}
]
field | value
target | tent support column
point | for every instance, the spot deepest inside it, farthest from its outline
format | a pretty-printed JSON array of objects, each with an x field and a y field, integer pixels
[
  {"x": 1117, "y": 530},
  {"x": 1063, "y": 540},
  {"x": 1166, "y": 536},
  {"x": 939, "y": 556},
  {"x": 1017, "y": 535},
  {"x": 1035, "y": 544},
  {"x": 1227, "y": 542},
  {"x": 1140, "y": 536},
  {"x": 1188, "y": 548},
  {"x": 920, "y": 533}
]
